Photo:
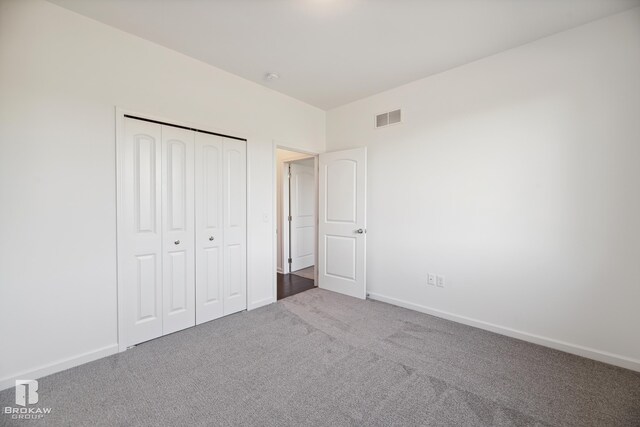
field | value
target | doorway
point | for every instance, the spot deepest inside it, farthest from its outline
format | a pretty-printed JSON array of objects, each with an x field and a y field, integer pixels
[{"x": 296, "y": 203}]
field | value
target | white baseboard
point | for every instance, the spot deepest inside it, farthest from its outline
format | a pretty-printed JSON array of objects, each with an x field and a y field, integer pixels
[
  {"x": 590, "y": 353},
  {"x": 58, "y": 366},
  {"x": 260, "y": 303}
]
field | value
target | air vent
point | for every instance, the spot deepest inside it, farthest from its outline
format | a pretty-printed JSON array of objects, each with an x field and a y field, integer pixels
[{"x": 390, "y": 118}]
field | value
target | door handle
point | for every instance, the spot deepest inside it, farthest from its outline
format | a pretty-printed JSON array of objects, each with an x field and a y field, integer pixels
[
  {"x": 211, "y": 238},
  {"x": 177, "y": 242},
  {"x": 361, "y": 231}
]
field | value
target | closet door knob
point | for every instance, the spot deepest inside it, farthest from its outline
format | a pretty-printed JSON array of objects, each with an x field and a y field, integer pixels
[
  {"x": 211, "y": 238},
  {"x": 177, "y": 242}
]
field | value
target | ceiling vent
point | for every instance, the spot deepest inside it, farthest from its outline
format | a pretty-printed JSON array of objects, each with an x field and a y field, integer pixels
[{"x": 390, "y": 118}]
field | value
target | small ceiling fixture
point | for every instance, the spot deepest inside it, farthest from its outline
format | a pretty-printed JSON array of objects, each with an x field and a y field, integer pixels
[{"x": 271, "y": 77}]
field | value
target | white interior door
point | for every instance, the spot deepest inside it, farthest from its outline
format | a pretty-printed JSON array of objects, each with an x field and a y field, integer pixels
[
  {"x": 235, "y": 225},
  {"x": 178, "y": 229},
  {"x": 209, "y": 227},
  {"x": 302, "y": 198},
  {"x": 343, "y": 221},
  {"x": 139, "y": 232}
]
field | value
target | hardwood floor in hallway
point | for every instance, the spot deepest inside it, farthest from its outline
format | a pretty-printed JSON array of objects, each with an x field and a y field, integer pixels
[{"x": 290, "y": 284}]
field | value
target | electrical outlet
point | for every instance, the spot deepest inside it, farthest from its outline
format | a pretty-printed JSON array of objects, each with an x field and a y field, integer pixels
[
  {"x": 431, "y": 279},
  {"x": 440, "y": 281}
]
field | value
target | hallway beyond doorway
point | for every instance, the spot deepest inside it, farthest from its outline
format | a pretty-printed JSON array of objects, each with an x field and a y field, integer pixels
[
  {"x": 290, "y": 284},
  {"x": 309, "y": 272}
]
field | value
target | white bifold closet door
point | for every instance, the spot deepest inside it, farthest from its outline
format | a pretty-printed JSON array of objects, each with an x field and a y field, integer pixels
[
  {"x": 235, "y": 229},
  {"x": 178, "y": 275},
  {"x": 209, "y": 228},
  {"x": 221, "y": 280},
  {"x": 181, "y": 229},
  {"x": 140, "y": 232}
]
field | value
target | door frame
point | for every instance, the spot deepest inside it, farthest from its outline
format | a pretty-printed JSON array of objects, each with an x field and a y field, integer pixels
[
  {"x": 286, "y": 227},
  {"x": 285, "y": 209},
  {"x": 120, "y": 112}
]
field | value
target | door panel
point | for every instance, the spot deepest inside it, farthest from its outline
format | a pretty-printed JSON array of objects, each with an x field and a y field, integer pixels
[
  {"x": 234, "y": 253},
  {"x": 212, "y": 269},
  {"x": 341, "y": 178},
  {"x": 209, "y": 227},
  {"x": 340, "y": 252},
  {"x": 211, "y": 180},
  {"x": 235, "y": 228},
  {"x": 139, "y": 233},
  {"x": 342, "y": 222},
  {"x": 177, "y": 282},
  {"x": 234, "y": 167},
  {"x": 303, "y": 218},
  {"x": 146, "y": 288},
  {"x": 178, "y": 229},
  {"x": 146, "y": 183},
  {"x": 176, "y": 184}
]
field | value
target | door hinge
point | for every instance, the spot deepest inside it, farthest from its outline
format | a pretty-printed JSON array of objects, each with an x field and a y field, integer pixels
[
  {"x": 289, "y": 260},
  {"x": 290, "y": 218}
]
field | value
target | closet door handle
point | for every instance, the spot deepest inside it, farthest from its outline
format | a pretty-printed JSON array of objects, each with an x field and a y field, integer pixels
[
  {"x": 211, "y": 238},
  {"x": 177, "y": 242}
]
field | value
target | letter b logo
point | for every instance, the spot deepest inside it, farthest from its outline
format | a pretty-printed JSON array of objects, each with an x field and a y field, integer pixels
[{"x": 26, "y": 392}]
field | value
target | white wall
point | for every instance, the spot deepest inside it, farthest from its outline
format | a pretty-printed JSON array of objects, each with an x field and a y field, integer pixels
[
  {"x": 61, "y": 76},
  {"x": 516, "y": 177},
  {"x": 282, "y": 157}
]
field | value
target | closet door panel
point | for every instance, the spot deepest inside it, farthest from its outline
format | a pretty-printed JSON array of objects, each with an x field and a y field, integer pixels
[
  {"x": 178, "y": 229},
  {"x": 235, "y": 219},
  {"x": 209, "y": 227},
  {"x": 139, "y": 231},
  {"x": 177, "y": 278}
]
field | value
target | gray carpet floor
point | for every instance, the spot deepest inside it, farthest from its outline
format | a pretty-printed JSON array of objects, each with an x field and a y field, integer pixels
[{"x": 320, "y": 358}]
